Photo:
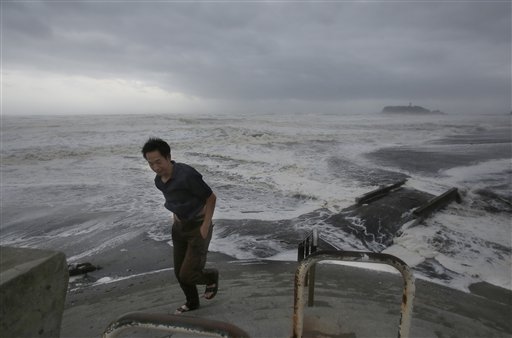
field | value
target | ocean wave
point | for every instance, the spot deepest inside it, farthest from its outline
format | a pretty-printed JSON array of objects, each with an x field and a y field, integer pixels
[{"x": 275, "y": 179}]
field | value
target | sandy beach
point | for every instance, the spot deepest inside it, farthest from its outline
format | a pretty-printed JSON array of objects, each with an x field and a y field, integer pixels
[{"x": 257, "y": 296}]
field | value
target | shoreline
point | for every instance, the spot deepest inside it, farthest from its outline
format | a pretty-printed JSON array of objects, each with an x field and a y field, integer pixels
[{"x": 144, "y": 255}]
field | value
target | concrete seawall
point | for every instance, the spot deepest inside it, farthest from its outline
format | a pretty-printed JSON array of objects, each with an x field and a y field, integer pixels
[
  {"x": 33, "y": 286},
  {"x": 257, "y": 297}
]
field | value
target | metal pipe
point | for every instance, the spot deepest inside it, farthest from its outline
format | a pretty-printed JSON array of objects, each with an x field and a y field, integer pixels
[
  {"x": 355, "y": 256},
  {"x": 173, "y": 323}
]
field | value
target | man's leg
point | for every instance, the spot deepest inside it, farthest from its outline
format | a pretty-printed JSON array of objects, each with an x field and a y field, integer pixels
[
  {"x": 180, "y": 248},
  {"x": 192, "y": 269}
]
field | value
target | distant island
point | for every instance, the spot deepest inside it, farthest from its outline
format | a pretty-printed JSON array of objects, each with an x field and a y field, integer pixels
[{"x": 410, "y": 109}]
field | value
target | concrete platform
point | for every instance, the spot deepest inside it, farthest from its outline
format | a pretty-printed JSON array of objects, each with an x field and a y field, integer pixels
[{"x": 258, "y": 298}]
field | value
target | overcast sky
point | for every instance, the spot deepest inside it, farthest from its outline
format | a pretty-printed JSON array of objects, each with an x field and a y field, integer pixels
[{"x": 251, "y": 56}]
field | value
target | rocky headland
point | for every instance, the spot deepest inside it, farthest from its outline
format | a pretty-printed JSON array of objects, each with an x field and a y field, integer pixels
[{"x": 410, "y": 109}]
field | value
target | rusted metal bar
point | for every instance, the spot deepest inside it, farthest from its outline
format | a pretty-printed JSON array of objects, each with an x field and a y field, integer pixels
[
  {"x": 300, "y": 252},
  {"x": 311, "y": 285},
  {"x": 354, "y": 256},
  {"x": 312, "y": 270},
  {"x": 173, "y": 323},
  {"x": 378, "y": 192},
  {"x": 437, "y": 203}
]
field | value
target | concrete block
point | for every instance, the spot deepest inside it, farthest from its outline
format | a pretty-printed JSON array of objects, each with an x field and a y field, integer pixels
[{"x": 33, "y": 287}]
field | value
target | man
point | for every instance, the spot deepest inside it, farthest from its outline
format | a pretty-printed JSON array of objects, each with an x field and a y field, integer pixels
[{"x": 192, "y": 203}]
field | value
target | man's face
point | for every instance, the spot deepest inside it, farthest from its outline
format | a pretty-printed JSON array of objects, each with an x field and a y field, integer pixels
[{"x": 158, "y": 163}]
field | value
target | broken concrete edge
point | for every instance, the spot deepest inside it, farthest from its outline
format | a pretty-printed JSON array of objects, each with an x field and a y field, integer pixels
[
  {"x": 374, "y": 194},
  {"x": 438, "y": 202},
  {"x": 33, "y": 288}
]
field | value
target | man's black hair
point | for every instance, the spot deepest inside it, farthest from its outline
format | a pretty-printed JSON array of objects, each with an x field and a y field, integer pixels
[{"x": 156, "y": 144}]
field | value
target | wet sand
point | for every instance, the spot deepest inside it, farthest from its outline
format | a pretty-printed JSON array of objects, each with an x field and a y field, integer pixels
[
  {"x": 449, "y": 152},
  {"x": 257, "y": 296}
]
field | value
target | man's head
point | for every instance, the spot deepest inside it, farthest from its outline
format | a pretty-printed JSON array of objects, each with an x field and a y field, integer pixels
[
  {"x": 158, "y": 154},
  {"x": 156, "y": 144}
]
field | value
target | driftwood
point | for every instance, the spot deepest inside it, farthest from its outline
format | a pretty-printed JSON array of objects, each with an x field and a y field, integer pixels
[{"x": 81, "y": 268}]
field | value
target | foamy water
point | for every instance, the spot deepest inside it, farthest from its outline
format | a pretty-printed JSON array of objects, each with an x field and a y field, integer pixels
[{"x": 80, "y": 185}]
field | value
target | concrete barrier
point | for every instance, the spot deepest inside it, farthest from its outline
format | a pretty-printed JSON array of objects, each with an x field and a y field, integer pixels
[
  {"x": 375, "y": 194},
  {"x": 33, "y": 286}
]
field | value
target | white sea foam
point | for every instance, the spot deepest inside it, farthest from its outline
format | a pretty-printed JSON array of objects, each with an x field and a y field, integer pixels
[
  {"x": 111, "y": 280},
  {"x": 106, "y": 244},
  {"x": 480, "y": 174},
  {"x": 80, "y": 185},
  {"x": 471, "y": 243}
]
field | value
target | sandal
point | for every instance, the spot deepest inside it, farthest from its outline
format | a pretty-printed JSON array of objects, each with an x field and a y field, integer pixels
[
  {"x": 184, "y": 308},
  {"x": 211, "y": 290}
]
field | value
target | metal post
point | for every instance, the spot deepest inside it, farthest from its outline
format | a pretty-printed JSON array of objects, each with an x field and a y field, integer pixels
[
  {"x": 363, "y": 257},
  {"x": 300, "y": 252},
  {"x": 312, "y": 271}
]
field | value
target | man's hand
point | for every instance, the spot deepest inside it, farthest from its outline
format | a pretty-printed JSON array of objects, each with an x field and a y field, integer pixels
[
  {"x": 208, "y": 214},
  {"x": 205, "y": 228}
]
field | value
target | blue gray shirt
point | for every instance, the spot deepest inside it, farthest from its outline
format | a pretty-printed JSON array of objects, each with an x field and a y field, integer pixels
[{"x": 185, "y": 192}]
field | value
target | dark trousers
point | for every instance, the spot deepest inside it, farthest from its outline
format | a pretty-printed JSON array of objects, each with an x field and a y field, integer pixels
[{"x": 190, "y": 250}]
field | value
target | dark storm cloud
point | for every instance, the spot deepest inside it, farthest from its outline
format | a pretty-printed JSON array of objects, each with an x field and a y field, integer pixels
[{"x": 250, "y": 51}]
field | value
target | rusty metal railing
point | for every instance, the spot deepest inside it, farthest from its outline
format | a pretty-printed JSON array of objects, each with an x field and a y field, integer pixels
[
  {"x": 354, "y": 256},
  {"x": 173, "y": 323},
  {"x": 308, "y": 245}
]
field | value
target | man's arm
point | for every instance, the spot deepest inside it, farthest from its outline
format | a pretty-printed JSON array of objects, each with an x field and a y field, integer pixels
[{"x": 209, "y": 208}]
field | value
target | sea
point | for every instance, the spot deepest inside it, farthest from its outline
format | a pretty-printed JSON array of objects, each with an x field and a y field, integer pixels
[{"x": 79, "y": 183}]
